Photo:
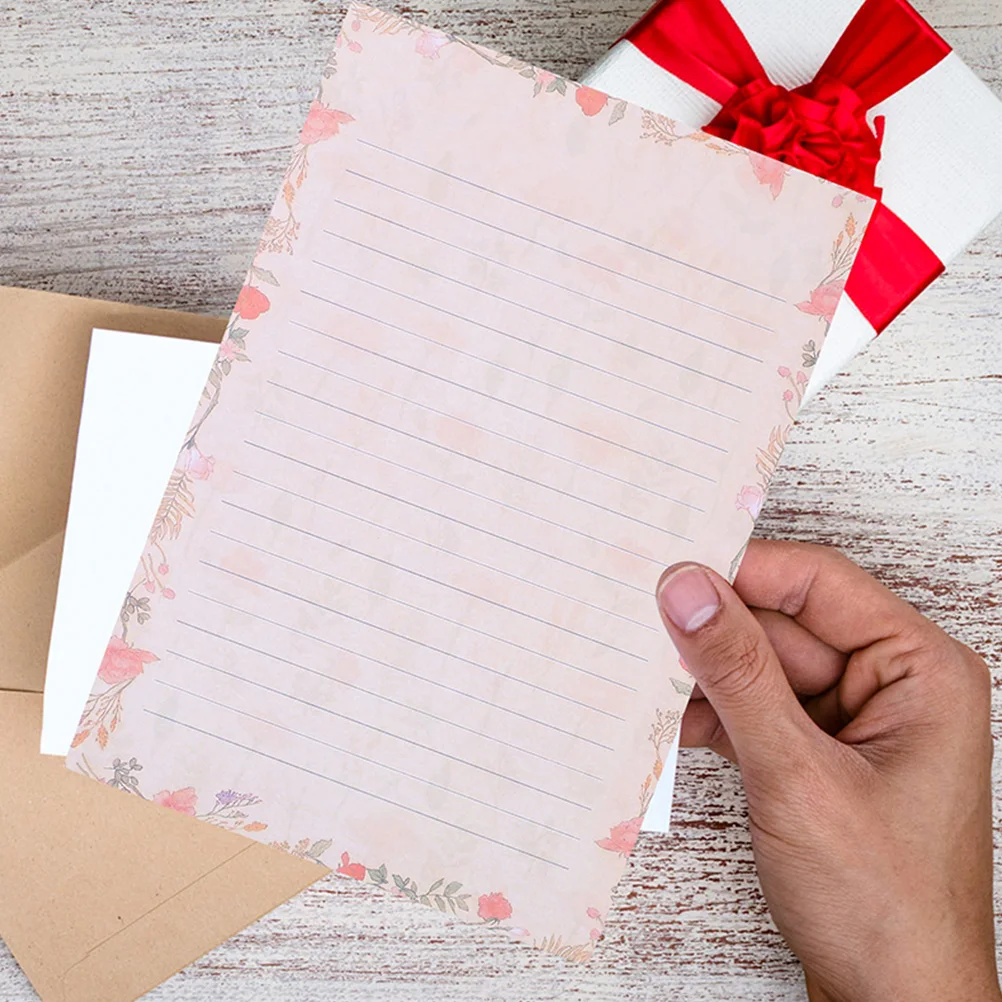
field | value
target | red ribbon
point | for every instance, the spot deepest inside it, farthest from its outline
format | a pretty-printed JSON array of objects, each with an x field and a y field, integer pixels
[{"x": 819, "y": 127}]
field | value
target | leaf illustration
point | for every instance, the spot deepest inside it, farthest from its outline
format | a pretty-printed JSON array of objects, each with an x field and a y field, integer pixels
[
  {"x": 319, "y": 848},
  {"x": 263, "y": 275},
  {"x": 682, "y": 688},
  {"x": 618, "y": 112},
  {"x": 178, "y": 504}
]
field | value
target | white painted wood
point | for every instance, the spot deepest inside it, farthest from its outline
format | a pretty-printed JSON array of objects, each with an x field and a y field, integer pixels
[{"x": 140, "y": 144}]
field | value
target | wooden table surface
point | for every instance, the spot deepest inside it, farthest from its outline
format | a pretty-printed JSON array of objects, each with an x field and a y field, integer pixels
[{"x": 141, "y": 143}]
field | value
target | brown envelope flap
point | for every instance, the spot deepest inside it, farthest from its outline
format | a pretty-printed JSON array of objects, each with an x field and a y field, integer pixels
[
  {"x": 44, "y": 341},
  {"x": 102, "y": 894}
]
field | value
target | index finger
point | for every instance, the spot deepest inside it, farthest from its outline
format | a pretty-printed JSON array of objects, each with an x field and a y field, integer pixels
[{"x": 824, "y": 591}]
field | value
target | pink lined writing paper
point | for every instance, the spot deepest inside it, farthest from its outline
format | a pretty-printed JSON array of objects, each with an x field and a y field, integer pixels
[{"x": 396, "y": 610}]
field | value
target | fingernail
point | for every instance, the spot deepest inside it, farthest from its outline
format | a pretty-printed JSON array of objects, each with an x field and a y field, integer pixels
[{"x": 688, "y": 598}]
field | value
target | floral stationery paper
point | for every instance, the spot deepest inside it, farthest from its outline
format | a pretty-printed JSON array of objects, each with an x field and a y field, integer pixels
[{"x": 396, "y": 610}]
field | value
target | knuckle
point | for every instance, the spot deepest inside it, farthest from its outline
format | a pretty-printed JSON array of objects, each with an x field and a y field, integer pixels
[
  {"x": 737, "y": 663},
  {"x": 952, "y": 671}
]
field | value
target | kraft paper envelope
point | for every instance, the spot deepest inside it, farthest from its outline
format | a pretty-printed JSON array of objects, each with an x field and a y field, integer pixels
[{"x": 102, "y": 896}]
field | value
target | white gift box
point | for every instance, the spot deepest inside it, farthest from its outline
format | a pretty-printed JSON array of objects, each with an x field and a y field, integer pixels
[{"x": 941, "y": 158}]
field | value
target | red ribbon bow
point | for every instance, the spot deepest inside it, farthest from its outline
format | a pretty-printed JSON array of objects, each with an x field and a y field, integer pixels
[{"x": 821, "y": 127}]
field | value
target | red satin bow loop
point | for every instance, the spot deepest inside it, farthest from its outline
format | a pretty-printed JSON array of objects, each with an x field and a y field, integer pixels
[{"x": 821, "y": 127}]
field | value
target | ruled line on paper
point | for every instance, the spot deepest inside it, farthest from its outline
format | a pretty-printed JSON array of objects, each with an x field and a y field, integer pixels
[
  {"x": 632, "y": 415},
  {"x": 455, "y": 452},
  {"x": 451, "y": 553},
  {"x": 466, "y": 525},
  {"x": 461, "y": 489},
  {"x": 572, "y": 222},
  {"x": 436, "y": 683},
  {"x": 551, "y": 317},
  {"x": 389, "y": 734},
  {"x": 490, "y": 431},
  {"x": 568, "y": 288},
  {"x": 503, "y": 368},
  {"x": 448, "y": 518},
  {"x": 413, "y": 640},
  {"x": 444, "y": 584},
  {"x": 354, "y": 789},
  {"x": 364, "y": 758},
  {"x": 525, "y": 410},
  {"x": 514, "y": 337},
  {"x": 410, "y": 605},
  {"x": 542, "y": 313},
  {"x": 556, "y": 250},
  {"x": 371, "y": 692}
]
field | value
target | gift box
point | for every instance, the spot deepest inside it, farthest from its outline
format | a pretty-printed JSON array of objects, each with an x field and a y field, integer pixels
[{"x": 866, "y": 94}]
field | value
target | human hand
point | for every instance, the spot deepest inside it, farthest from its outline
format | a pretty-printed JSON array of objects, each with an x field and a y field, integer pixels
[{"x": 863, "y": 736}]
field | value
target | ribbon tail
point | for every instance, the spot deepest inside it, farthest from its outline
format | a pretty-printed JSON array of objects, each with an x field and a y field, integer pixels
[
  {"x": 892, "y": 268},
  {"x": 699, "y": 42},
  {"x": 886, "y": 46}
]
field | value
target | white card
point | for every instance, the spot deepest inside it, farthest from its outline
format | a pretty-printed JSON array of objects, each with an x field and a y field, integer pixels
[{"x": 113, "y": 505}]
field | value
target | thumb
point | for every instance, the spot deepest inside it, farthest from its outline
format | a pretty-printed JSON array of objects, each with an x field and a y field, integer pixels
[{"x": 729, "y": 655}]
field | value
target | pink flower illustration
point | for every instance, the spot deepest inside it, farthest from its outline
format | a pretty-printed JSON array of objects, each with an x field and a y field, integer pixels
[
  {"x": 801, "y": 378},
  {"x": 750, "y": 499},
  {"x": 169, "y": 593},
  {"x": 228, "y": 350},
  {"x": 591, "y": 101},
  {"x": 593, "y": 913},
  {"x": 823, "y": 300},
  {"x": 322, "y": 123},
  {"x": 788, "y": 395},
  {"x": 121, "y": 663},
  {"x": 544, "y": 78},
  {"x": 595, "y": 934},
  {"x": 197, "y": 465},
  {"x": 350, "y": 869},
  {"x": 622, "y": 838},
  {"x": 251, "y": 303},
  {"x": 494, "y": 907},
  {"x": 769, "y": 171},
  {"x": 429, "y": 42},
  {"x": 164, "y": 569},
  {"x": 183, "y": 801},
  {"x": 783, "y": 371}
]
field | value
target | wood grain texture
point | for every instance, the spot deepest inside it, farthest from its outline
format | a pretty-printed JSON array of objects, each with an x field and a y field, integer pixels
[{"x": 141, "y": 144}]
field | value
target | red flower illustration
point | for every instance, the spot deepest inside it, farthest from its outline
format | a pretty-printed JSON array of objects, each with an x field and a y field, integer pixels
[
  {"x": 769, "y": 171},
  {"x": 350, "y": 869},
  {"x": 121, "y": 663},
  {"x": 823, "y": 300},
  {"x": 622, "y": 838},
  {"x": 749, "y": 499},
  {"x": 183, "y": 801},
  {"x": 591, "y": 101},
  {"x": 322, "y": 123},
  {"x": 197, "y": 465},
  {"x": 430, "y": 42},
  {"x": 251, "y": 303},
  {"x": 494, "y": 908}
]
